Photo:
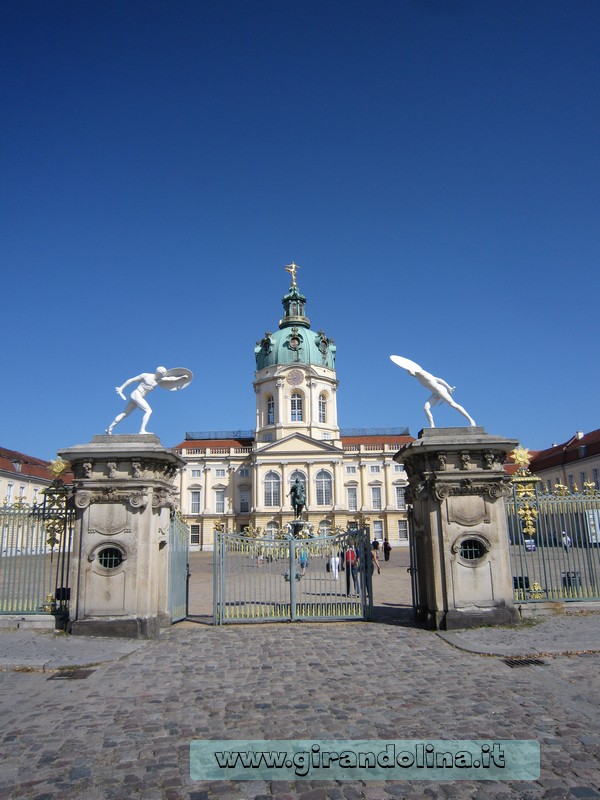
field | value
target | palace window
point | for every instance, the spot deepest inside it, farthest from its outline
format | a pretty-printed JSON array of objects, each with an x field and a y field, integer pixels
[
  {"x": 400, "y": 501},
  {"x": 272, "y": 489},
  {"x": 377, "y": 529},
  {"x": 351, "y": 496},
  {"x": 244, "y": 501},
  {"x": 219, "y": 472},
  {"x": 270, "y": 410},
  {"x": 219, "y": 501},
  {"x": 322, "y": 408},
  {"x": 403, "y": 529},
  {"x": 375, "y": 469},
  {"x": 194, "y": 534},
  {"x": 323, "y": 481},
  {"x": 296, "y": 407},
  {"x": 271, "y": 530},
  {"x": 196, "y": 473},
  {"x": 376, "y": 498},
  {"x": 195, "y": 501}
]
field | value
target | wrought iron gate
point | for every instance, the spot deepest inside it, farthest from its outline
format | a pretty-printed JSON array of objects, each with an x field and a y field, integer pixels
[
  {"x": 413, "y": 568},
  {"x": 179, "y": 537},
  {"x": 280, "y": 580},
  {"x": 554, "y": 541},
  {"x": 35, "y": 553}
]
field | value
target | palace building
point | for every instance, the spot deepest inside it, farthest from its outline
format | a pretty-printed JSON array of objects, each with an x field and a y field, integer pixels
[{"x": 242, "y": 479}]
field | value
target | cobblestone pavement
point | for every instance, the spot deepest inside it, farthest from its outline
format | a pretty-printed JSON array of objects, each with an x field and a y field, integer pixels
[{"x": 124, "y": 730}]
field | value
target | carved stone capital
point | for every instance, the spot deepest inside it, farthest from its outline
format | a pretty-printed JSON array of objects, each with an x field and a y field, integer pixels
[
  {"x": 138, "y": 500},
  {"x": 83, "y": 499},
  {"x": 162, "y": 498},
  {"x": 441, "y": 490},
  {"x": 498, "y": 489}
]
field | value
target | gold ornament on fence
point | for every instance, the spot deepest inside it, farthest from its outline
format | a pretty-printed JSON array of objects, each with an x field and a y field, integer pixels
[
  {"x": 520, "y": 455},
  {"x": 58, "y": 466}
]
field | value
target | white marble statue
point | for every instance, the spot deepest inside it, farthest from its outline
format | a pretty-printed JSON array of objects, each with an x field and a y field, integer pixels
[
  {"x": 172, "y": 379},
  {"x": 441, "y": 392}
]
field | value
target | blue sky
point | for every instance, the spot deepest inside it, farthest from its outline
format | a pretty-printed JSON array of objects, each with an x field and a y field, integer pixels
[{"x": 432, "y": 166}]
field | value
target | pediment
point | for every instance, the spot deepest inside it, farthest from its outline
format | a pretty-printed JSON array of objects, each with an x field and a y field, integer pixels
[{"x": 300, "y": 443}]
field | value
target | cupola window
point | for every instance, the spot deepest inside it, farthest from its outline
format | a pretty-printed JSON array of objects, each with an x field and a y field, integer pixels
[
  {"x": 322, "y": 408},
  {"x": 296, "y": 407},
  {"x": 270, "y": 410}
]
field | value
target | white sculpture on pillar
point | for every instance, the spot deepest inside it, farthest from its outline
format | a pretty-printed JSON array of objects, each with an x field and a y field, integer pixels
[
  {"x": 441, "y": 392},
  {"x": 172, "y": 380}
]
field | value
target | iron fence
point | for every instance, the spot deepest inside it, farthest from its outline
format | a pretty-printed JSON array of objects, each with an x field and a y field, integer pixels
[
  {"x": 35, "y": 552},
  {"x": 554, "y": 542},
  {"x": 179, "y": 573},
  {"x": 269, "y": 580}
]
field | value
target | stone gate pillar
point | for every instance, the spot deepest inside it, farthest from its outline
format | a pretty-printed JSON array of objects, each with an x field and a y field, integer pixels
[
  {"x": 123, "y": 494},
  {"x": 457, "y": 487}
]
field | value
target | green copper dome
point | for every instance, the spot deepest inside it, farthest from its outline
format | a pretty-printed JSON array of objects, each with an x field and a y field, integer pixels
[{"x": 294, "y": 342}]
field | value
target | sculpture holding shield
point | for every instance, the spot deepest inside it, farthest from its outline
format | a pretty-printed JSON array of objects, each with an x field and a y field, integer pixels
[{"x": 170, "y": 379}]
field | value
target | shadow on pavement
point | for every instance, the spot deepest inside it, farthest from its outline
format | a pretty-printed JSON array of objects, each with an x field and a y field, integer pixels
[{"x": 391, "y": 614}]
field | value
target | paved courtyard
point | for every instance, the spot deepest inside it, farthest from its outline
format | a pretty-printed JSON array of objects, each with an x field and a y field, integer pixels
[{"x": 124, "y": 730}]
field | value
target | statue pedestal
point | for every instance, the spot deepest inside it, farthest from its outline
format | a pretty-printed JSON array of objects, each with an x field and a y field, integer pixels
[
  {"x": 123, "y": 494},
  {"x": 457, "y": 487}
]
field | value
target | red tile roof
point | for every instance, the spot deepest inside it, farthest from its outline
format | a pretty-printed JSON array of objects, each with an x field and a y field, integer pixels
[
  {"x": 573, "y": 450},
  {"x": 31, "y": 467}
]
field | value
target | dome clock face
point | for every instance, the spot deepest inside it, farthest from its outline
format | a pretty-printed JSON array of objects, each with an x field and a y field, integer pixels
[{"x": 295, "y": 377}]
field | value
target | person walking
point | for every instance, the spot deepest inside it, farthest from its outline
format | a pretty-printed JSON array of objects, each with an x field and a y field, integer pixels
[
  {"x": 351, "y": 558},
  {"x": 387, "y": 549},
  {"x": 334, "y": 565}
]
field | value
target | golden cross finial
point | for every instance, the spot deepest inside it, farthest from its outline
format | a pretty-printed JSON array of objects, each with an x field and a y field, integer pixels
[{"x": 292, "y": 268}]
